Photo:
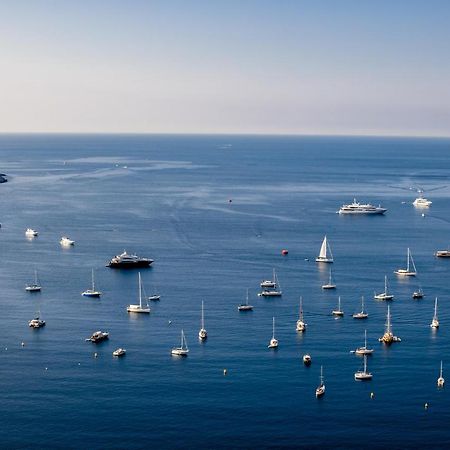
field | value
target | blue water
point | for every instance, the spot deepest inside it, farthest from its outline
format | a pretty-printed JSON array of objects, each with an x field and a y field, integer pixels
[{"x": 167, "y": 197}]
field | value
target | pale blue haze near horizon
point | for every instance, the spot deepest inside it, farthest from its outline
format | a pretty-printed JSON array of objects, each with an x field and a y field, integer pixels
[{"x": 324, "y": 67}]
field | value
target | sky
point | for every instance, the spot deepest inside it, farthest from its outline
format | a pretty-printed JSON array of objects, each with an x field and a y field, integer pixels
[{"x": 334, "y": 67}]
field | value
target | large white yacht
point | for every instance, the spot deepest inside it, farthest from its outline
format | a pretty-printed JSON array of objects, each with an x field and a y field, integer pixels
[
  {"x": 422, "y": 202},
  {"x": 360, "y": 208}
]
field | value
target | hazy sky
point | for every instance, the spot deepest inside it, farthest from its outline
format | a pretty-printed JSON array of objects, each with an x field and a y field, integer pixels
[{"x": 310, "y": 67}]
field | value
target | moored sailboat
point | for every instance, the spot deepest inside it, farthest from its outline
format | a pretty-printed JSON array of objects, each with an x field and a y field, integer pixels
[
  {"x": 325, "y": 254},
  {"x": 245, "y": 306},
  {"x": 139, "y": 308},
  {"x": 183, "y": 349},
  {"x": 92, "y": 292},
  {"x": 202, "y": 334},
  {"x": 364, "y": 350},
  {"x": 440, "y": 380},
  {"x": 363, "y": 375},
  {"x": 384, "y": 295},
  {"x": 320, "y": 390},
  {"x": 330, "y": 284},
  {"x": 34, "y": 287},
  {"x": 388, "y": 337},
  {"x": 338, "y": 312},
  {"x": 273, "y": 342},
  {"x": 362, "y": 314},
  {"x": 435, "y": 322},
  {"x": 300, "y": 325},
  {"x": 410, "y": 270}
]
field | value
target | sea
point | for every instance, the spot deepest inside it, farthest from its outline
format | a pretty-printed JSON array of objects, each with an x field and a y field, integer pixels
[{"x": 214, "y": 212}]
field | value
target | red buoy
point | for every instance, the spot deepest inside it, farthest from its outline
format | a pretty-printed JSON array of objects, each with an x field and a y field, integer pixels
[{"x": 284, "y": 251}]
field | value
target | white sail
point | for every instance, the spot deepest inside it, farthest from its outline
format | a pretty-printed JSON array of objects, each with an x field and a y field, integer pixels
[{"x": 323, "y": 249}]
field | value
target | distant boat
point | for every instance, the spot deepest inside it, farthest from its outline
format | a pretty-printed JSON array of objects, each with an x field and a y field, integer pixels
[
  {"x": 34, "y": 287},
  {"x": 440, "y": 380},
  {"x": 139, "y": 308},
  {"x": 418, "y": 294},
  {"x": 338, "y": 312},
  {"x": 269, "y": 283},
  {"x": 442, "y": 254},
  {"x": 273, "y": 342},
  {"x": 325, "y": 254},
  {"x": 66, "y": 242},
  {"x": 202, "y": 334},
  {"x": 422, "y": 202},
  {"x": 363, "y": 314},
  {"x": 98, "y": 336},
  {"x": 119, "y": 352},
  {"x": 435, "y": 321},
  {"x": 300, "y": 325},
  {"x": 129, "y": 261},
  {"x": 37, "y": 322},
  {"x": 384, "y": 295},
  {"x": 363, "y": 375},
  {"x": 183, "y": 349},
  {"x": 410, "y": 270},
  {"x": 92, "y": 292},
  {"x": 307, "y": 359},
  {"x": 330, "y": 284},
  {"x": 388, "y": 337},
  {"x": 320, "y": 390},
  {"x": 364, "y": 350},
  {"x": 245, "y": 306},
  {"x": 274, "y": 291},
  {"x": 357, "y": 208},
  {"x": 30, "y": 233}
]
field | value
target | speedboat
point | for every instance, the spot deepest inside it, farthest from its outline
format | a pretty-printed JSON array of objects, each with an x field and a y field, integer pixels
[
  {"x": 98, "y": 336},
  {"x": 129, "y": 261},
  {"x": 66, "y": 241},
  {"x": 31, "y": 233},
  {"x": 306, "y": 360},
  {"x": 442, "y": 254},
  {"x": 119, "y": 352},
  {"x": 357, "y": 208}
]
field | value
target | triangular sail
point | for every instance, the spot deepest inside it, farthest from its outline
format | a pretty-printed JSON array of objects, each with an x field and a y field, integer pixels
[{"x": 323, "y": 248}]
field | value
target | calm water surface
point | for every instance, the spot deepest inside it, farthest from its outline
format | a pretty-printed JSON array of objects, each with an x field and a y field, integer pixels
[{"x": 167, "y": 197}]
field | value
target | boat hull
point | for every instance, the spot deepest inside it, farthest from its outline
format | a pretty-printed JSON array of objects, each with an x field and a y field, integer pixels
[{"x": 130, "y": 265}]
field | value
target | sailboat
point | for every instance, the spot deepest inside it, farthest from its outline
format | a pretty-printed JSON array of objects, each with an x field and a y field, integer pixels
[
  {"x": 410, "y": 270},
  {"x": 183, "y": 349},
  {"x": 274, "y": 291},
  {"x": 338, "y": 312},
  {"x": 34, "y": 287},
  {"x": 202, "y": 334},
  {"x": 384, "y": 295},
  {"x": 139, "y": 308},
  {"x": 388, "y": 337},
  {"x": 269, "y": 283},
  {"x": 435, "y": 322},
  {"x": 301, "y": 325},
  {"x": 364, "y": 350},
  {"x": 320, "y": 390},
  {"x": 330, "y": 284},
  {"x": 91, "y": 292},
  {"x": 363, "y": 314},
  {"x": 273, "y": 342},
  {"x": 440, "y": 380},
  {"x": 245, "y": 306},
  {"x": 363, "y": 375},
  {"x": 325, "y": 254}
]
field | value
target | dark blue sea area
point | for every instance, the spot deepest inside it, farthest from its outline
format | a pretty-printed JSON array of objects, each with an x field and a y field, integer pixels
[{"x": 215, "y": 212}]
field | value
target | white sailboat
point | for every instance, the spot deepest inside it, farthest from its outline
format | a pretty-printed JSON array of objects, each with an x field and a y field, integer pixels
[
  {"x": 245, "y": 306},
  {"x": 338, "y": 312},
  {"x": 202, "y": 334},
  {"x": 269, "y": 283},
  {"x": 435, "y": 322},
  {"x": 301, "y": 325},
  {"x": 410, "y": 270},
  {"x": 274, "y": 291},
  {"x": 364, "y": 350},
  {"x": 330, "y": 284},
  {"x": 325, "y": 254},
  {"x": 34, "y": 287},
  {"x": 363, "y": 314},
  {"x": 363, "y": 375},
  {"x": 388, "y": 337},
  {"x": 183, "y": 349},
  {"x": 440, "y": 380},
  {"x": 384, "y": 295},
  {"x": 139, "y": 308},
  {"x": 92, "y": 292},
  {"x": 273, "y": 342},
  {"x": 320, "y": 390}
]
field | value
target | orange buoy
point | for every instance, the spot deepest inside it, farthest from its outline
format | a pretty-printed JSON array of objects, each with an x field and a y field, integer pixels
[{"x": 284, "y": 251}]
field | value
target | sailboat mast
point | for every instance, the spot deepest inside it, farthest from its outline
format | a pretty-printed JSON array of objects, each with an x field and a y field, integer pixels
[
  {"x": 246, "y": 300},
  {"x": 407, "y": 262},
  {"x": 435, "y": 308},
  {"x": 440, "y": 376},
  {"x": 301, "y": 309},
  {"x": 140, "y": 290},
  {"x": 203, "y": 320},
  {"x": 92, "y": 277},
  {"x": 388, "y": 321},
  {"x": 365, "y": 338},
  {"x": 273, "y": 327}
]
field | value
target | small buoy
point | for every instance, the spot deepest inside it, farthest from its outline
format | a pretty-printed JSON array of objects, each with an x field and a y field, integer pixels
[
  {"x": 230, "y": 200},
  {"x": 284, "y": 251},
  {"x": 426, "y": 406},
  {"x": 46, "y": 368},
  {"x": 306, "y": 259},
  {"x": 170, "y": 322},
  {"x": 423, "y": 215},
  {"x": 372, "y": 395},
  {"x": 95, "y": 355},
  {"x": 6, "y": 348},
  {"x": 79, "y": 364},
  {"x": 225, "y": 371},
  {"x": 23, "y": 344}
]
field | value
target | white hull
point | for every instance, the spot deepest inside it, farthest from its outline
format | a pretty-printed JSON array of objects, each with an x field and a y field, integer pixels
[
  {"x": 405, "y": 273},
  {"x": 179, "y": 352},
  {"x": 383, "y": 296},
  {"x": 90, "y": 293},
  {"x": 138, "y": 309},
  {"x": 363, "y": 376},
  {"x": 324, "y": 260},
  {"x": 363, "y": 351},
  {"x": 33, "y": 288},
  {"x": 360, "y": 315}
]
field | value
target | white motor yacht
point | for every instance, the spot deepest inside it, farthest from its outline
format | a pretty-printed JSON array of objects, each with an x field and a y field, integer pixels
[
  {"x": 357, "y": 208},
  {"x": 119, "y": 352},
  {"x": 66, "y": 242},
  {"x": 31, "y": 233}
]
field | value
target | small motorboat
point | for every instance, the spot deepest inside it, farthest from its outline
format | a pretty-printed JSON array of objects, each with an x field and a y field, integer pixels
[
  {"x": 66, "y": 242},
  {"x": 119, "y": 352},
  {"x": 307, "y": 360}
]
